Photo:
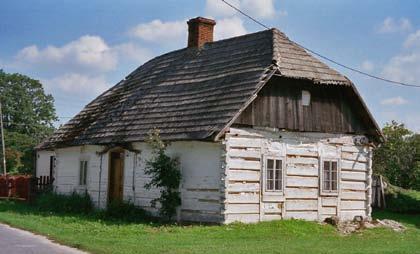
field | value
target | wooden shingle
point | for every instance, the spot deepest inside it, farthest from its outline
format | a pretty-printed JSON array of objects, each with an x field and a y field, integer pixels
[{"x": 192, "y": 93}]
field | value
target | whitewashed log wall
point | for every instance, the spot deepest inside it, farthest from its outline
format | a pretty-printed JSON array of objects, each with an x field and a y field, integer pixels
[
  {"x": 222, "y": 182},
  {"x": 301, "y": 198}
]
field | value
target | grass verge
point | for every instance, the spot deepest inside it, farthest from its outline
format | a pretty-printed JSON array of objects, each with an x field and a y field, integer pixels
[{"x": 96, "y": 235}]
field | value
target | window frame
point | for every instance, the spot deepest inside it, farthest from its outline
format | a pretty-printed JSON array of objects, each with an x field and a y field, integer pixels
[
  {"x": 324, "y": 192},
  {"x": 85, "y": 171},
  {"x": 265, "y": 172},
  {"x": 306, "y": 98}
]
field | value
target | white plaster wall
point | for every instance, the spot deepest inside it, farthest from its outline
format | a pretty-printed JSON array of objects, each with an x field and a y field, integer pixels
[
  {"x": 67, "y": 172},
  {"x": 43, "y": 162},
  {"x": 200, "y": 187},
  {"x": 200, "y": 164}
]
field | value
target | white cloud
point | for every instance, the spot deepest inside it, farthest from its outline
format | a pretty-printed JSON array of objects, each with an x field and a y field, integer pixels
[
  {"x": 405, "y": 66},
  {"x": 259, "y": 8},
  {"x": 394, "y": 101},
  {"x": 413, "y": 40},
  {"x": 175, "y": 32},
  {"x": 219, "y": 9},
  {"x": 368, "y": 66},
  {"x": 256, "y": 8},
  {"x": 77, "y": 84},
  {"x": 391, "y": 25},
  {"x": 229, "y": 27},
  {"x": 160, "y": 32},
  {"x": 283, "y": 13},
  {"x": 133, "y": 52},
  {"x": 86, "y": 53}
]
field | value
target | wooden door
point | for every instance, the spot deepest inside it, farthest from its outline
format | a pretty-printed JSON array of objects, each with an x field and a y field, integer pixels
[{"x": 116, "y": 176}]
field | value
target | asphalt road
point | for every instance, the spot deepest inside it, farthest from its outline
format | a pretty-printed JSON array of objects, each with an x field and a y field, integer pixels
[{"x": 16, "y": 241}]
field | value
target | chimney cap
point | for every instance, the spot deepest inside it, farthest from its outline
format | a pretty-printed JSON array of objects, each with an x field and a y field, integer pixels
[{"x": 202, "y": 20}]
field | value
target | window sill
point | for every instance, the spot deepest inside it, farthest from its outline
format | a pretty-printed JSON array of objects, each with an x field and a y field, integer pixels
[{"x": 329, "y": 194}]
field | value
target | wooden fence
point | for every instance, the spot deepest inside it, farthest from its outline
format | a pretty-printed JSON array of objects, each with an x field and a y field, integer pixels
[
  {"x": 378, "y": 191},
  {"x": 23, "y": 186}
]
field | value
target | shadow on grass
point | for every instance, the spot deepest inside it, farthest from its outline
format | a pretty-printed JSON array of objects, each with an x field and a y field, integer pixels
[
  {"x": 409, "y": 219},
  {"x": 23, "y": 208},
  {"x": 401, "y": 205}
]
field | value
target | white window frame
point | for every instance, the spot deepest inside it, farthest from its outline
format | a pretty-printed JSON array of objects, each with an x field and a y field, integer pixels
[
  {"x": 264, "y": 176},
  {"x": 324, "y": 192},
  {"x": 85, "y": 171},
  {"x": 306, "y": 98}
]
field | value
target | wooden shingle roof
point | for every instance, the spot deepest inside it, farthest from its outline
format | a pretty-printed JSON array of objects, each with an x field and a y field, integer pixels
[{"x": 192, "y": 93}]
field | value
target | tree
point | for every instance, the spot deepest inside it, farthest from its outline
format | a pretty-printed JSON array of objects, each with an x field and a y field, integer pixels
[
  {"x": 28, "y": 115},
  {"x": 397, "y": 158}
]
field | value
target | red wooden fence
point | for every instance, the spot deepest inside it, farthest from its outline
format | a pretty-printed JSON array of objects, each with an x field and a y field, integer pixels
[{"x": 23, "y": 186}]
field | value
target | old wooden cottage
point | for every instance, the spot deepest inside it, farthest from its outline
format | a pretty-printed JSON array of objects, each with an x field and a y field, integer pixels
[{"x": 262, "y": 129}]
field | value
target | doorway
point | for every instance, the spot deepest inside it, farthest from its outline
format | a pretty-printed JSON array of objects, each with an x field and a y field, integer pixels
[{"x": 116, "y": 176}]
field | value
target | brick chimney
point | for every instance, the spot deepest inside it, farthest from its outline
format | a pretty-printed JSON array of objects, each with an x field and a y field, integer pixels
[{"x": 200, "y": 31}]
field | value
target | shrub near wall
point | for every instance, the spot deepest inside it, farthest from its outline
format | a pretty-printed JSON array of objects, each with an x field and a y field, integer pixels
[
  {"x": 165, "y": 175},
  {"x": 59, "y": 203},
  {"x": 81, "y": 204},
  {"x": 126, "y": 212}
]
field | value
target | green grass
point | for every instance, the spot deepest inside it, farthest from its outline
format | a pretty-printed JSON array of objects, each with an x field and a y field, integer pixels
[
  {"x": 289, "y": 236},
  {"x": 402, "y": 200}
]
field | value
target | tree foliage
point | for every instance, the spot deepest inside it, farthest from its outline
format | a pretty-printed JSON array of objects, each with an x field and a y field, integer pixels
[
  {"x": 28, "y": 116},
  {"x": 165, "y": 174},
  {"x": 398, "y": 159}
]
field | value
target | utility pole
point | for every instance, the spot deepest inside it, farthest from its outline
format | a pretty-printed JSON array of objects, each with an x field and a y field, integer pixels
[{"x": 2, "y": 142}]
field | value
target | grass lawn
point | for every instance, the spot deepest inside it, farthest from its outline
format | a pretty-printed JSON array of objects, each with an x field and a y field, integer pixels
[{"x": 288, "y": 236}]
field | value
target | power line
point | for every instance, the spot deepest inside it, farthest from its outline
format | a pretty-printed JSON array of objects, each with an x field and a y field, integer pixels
[
  {"x": 322, "y": 56},
  {"x": 245, "y": 14}
]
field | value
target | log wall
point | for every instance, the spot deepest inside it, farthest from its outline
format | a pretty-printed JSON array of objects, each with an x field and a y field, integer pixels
[
  {"x": 223, "y": 182},
  {"x": 301, "y": 198}
]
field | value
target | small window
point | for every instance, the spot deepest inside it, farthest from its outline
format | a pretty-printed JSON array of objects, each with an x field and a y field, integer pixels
[
  {"x": 330, "y": 176},
  {"x": 83, "y": 172},
  {"x": 274, "y": 179},
  {"x": 306, "y": 98}
]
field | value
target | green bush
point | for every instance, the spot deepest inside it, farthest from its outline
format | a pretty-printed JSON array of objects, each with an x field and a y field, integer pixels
[
  {"x": 165, "y": 175},
  {"x": 402, "y": 200},
  {"x": 125, "y": 211},
  {"x": 60, "y": 203},
  {"x": 76, "y": 203}
]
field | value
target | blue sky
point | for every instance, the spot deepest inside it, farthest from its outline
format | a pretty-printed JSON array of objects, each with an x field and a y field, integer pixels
[{"x": 80, "y": 48}]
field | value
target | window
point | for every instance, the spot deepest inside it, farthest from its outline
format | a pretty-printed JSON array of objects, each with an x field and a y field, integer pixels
[
  {"x": 274, "y": 176},
  {"x": 52, "y": 166},
  {"x": 306, "y": 98},
  {"x": 83, "y": 172},
  {"x": 330, "y": 176}
]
